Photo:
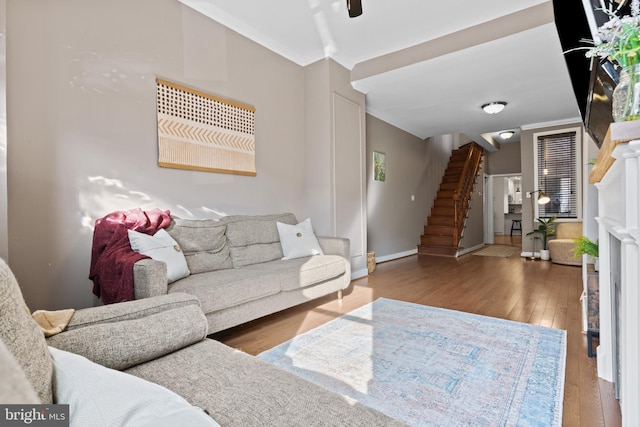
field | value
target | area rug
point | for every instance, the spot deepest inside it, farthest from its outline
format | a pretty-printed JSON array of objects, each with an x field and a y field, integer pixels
[
  {"x": 428, "y": 366},
  {"x": 497, "y": 250}
]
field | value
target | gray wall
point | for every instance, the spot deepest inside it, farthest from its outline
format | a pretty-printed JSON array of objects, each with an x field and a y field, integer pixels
[
  {"x": 82, "y": 129},
  {"x": 335, "y": 139},
  {"x": 504, "y": 161},
  {"x": 4, "y": 241},
  {"x": 395, "y": 223}
]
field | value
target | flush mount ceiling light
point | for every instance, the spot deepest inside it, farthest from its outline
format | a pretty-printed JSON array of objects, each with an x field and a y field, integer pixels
[
  {"x": 506, "y": 134},
  {"x": 494, "y": 107}
]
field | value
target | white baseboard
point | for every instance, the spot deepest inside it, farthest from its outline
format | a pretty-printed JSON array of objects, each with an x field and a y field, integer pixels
[
  {"x": 359, "y": 274},
  {"x": 467, "y": 250},
  {"x": 528, "y": 254},
  {"x": 396, "y": 255}
]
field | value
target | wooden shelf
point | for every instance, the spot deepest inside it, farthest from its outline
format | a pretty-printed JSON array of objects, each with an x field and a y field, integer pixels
[{"x": 617, "y": 133}]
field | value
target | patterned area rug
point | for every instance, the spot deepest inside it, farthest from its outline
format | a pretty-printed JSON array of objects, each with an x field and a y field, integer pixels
[
  {"x": 497, "y": 250},
  {"x": 433, "y": 367}
]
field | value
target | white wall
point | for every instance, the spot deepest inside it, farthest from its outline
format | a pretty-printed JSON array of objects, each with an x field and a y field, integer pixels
[
  {"x": 590, "y": 192},
  {"x": 590, "y": 205},
  {"x": 499, "y": 191},
  {"x": 82, "y": 129}
]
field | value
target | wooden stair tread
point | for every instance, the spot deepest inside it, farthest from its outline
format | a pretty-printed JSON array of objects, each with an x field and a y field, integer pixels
[
  {"x": 443, "y": 202},
  {"x": 440, "y": 220}
]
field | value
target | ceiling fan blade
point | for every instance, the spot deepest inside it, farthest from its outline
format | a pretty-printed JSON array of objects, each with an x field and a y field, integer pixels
[{"x": 354, "y": 7}]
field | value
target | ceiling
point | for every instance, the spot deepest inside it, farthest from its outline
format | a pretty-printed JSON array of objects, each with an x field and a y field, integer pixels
[{"x": 425, "y": 66}]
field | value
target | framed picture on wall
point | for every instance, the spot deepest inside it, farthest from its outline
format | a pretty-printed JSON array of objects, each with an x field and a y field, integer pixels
[{"x": 379, "y": 166}]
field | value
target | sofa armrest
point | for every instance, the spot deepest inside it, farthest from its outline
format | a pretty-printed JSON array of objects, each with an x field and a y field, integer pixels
[
  {"x": 335, "y": 246},
  {"x": 122, "y": 335},
  {"x": 149, "y": 278}
]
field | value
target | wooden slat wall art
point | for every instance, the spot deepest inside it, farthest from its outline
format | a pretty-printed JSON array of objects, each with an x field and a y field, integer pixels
[{"x": 198, "y": 131}]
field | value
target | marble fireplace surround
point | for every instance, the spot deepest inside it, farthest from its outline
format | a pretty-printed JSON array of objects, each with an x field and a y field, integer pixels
[{"x": 618, "y": 219}]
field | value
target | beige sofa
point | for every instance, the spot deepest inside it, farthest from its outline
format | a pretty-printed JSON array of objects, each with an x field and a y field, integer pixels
[
  {"x": 147, "y": 362},
  {"x": 561, "y": 248},
  {"x": 237, "y": 271}
]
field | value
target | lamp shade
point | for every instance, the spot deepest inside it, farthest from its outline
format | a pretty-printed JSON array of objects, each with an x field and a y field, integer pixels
[{"x": 543, "y": 199}]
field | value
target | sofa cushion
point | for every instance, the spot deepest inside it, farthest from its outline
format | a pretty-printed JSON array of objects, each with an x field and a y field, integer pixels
[
  {"x": 255, "y": 254},
  {"x": 100, "y": 396},
  {"x": 203, "y": 242},
  {"x": 241, "y": 390},
  {"x": 254, "y": 239},
  {"x": 161, "y": 247},
  {"x": 298, "y": 240},
  {"x": 219, "y": 290},
  {"x": 310, "y": 271},
  {"x": 23, "y": 337},
  {"x": 299, "y": 272},
  {"x": 222, "y": 289}
]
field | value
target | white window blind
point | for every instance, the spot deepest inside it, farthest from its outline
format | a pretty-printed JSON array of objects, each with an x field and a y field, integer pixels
[{"x": 557, "y": 174}]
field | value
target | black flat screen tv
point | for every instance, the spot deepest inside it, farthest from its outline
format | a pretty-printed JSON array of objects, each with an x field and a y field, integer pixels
[{"x": 597, "y": 118}]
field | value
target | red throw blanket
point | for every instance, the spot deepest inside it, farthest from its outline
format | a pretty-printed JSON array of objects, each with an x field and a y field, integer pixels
[{"x": 112, "y": 258}]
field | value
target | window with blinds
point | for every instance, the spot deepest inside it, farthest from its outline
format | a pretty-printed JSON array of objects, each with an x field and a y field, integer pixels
[{"x": 557, "y": 173}]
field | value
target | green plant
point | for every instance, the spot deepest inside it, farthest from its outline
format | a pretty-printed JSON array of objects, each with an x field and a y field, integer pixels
[
  {"x": 545, "y": 230},
  {"x": 585, "y": 246}
]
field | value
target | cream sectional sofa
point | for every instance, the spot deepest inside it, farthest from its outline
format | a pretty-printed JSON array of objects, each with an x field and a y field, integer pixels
[{"x": 237, "y": 271}]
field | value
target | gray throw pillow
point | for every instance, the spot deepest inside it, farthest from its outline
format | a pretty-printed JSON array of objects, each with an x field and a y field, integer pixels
[{"x": 203, "y": 242}]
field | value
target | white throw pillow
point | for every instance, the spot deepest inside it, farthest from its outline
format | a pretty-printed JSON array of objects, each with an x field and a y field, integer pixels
[
  {"x": 101, "y": 397},
  {"x": 162, "y": 247},
  {"x": 298, "y": 240}
]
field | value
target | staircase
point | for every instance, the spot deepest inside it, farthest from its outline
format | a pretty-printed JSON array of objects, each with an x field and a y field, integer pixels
[{"x": 444, "y": 227}]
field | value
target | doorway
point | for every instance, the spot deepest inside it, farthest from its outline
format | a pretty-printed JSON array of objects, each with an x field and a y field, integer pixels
[{"x": 503, "y": 206}]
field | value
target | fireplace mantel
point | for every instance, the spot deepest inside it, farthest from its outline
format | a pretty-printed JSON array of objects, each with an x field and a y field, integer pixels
[{"x": 618, "y": 220}]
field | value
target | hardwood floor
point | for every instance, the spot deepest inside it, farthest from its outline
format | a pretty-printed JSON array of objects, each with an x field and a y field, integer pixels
[{"x": 514, "y": 288}]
